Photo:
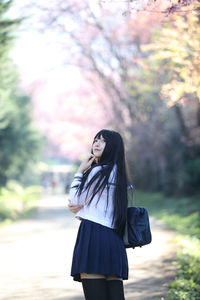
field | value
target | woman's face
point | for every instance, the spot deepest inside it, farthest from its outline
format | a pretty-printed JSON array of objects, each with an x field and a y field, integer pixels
[{"x": 98, "y": 146}]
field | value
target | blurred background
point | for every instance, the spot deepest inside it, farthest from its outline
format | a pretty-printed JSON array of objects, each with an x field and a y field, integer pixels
[{"x": 71, "y": 68}]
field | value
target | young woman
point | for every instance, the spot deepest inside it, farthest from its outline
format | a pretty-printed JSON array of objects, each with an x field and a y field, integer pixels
[{"x": 98, "y": 196}]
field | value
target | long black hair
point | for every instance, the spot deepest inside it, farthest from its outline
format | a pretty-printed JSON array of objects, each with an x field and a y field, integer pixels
[{"x": 112, "y": 156}]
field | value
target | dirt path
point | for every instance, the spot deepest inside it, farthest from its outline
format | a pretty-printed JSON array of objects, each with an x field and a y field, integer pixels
[{"x": 35, "y": 258}]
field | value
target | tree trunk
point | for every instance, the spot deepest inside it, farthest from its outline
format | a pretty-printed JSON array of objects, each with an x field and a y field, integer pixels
[
  {"x": 198, "y": 112},
  {"x": 184, "y": 129}
]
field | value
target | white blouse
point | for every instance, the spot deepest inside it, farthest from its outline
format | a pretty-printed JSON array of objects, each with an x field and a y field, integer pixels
[{"x": 97, "y": 211}]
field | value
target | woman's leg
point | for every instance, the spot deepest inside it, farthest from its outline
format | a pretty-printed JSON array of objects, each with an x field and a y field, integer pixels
[
  {"x": 94, "y": 286},
  {"x": 115, "y": 288}
]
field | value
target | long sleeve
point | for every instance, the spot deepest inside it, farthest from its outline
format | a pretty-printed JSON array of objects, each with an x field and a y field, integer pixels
[
  {"x": 74, "y": 187},
  {"x": 101, "y": 208},
  {"x": 73, "y": 197}
]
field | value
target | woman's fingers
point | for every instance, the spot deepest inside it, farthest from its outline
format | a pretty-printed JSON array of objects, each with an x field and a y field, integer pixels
[
  {"x": 74, "y": 208},
  {"x": 86, "y": 163},
  {"x": 92, "y": 158}
]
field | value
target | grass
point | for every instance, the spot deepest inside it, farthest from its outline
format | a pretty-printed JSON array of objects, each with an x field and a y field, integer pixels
[
  {"x": 183, "y": 216},
  {"x": 17, "y": 202},
  {"x": 180, "y": 214}
]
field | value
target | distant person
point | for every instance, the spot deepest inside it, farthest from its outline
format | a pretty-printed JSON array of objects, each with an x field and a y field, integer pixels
[
  {"x": 67, "y": 185},
  {"x": 45, "y": 183},
  {"x": 98, "y": 196},
  {"x": 53, "y": 185}
]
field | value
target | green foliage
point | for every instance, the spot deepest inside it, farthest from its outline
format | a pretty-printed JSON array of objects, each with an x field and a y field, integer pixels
[
  {"x": 15, "y": 199},
  {"x": 20, "y": 142},
  {"x": 8, "y": 73},
  {"x": 7, "y": 28},
  {"x": 193, "y": 170},
  {"x": 18, "y": 135},
  {"x": 178, "y": 45},
  {"x": 182, "y": 215},
  {"x": 187, "y": 282}
]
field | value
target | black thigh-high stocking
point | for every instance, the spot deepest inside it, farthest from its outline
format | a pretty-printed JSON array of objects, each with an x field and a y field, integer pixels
[
  {"x": 95, "y": 289},
  {"x": 115, "y": 290}
]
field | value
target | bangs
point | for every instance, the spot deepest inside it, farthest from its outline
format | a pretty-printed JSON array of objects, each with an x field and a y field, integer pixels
[{"x": 104, "y": 133}]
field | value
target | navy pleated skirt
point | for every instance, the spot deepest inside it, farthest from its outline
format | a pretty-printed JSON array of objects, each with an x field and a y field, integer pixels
[{"x": 98, "y": 250}]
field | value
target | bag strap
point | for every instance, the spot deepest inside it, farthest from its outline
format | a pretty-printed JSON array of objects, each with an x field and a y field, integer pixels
[{"x": 131, "y": 196}]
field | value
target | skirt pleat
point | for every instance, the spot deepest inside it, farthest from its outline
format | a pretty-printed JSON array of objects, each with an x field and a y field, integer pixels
[{"x": 98, "y": 250}]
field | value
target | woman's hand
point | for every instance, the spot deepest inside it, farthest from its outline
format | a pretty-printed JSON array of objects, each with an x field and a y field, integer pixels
[
  {"x": 86, "y": 164},
  {"x": 74, "y": 208}
]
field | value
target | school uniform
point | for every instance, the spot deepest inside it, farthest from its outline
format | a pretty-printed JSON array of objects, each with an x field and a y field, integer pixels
[{"x": 98, "y": 248}]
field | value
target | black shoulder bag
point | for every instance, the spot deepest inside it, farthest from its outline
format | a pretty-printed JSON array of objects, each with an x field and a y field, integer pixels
[{"x": 137, "y": 231}]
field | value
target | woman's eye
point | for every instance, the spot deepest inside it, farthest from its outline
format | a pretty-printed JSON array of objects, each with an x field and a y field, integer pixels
[{"x": 101, "y": 141}]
